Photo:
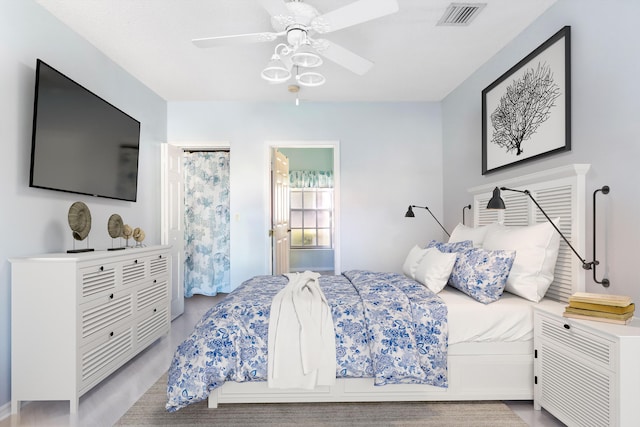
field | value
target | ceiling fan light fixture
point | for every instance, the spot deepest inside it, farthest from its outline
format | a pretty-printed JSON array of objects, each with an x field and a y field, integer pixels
[
  {"x": 275, "y": 71},
  {"x": 310, "y": 79},
  {"x": 304, "y": 56}
]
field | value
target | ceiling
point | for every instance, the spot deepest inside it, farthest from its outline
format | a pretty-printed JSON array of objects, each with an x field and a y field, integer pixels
[{"x": 415, "y": 60}]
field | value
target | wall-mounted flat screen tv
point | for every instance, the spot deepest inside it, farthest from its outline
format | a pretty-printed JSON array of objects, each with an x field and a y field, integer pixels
[{"x": 80, "y": 142}]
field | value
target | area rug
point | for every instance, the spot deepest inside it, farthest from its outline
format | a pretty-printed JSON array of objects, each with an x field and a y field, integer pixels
[{"x": 149, "y": 411}]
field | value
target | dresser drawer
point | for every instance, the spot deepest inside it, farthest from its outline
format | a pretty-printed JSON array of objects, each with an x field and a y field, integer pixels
[
  {"x": 579, "y": 341},
  {"x": 159, "y": 265},
  {"x": 97, "y": 280},
  {"x": 103, "y": 355},
  {"x": 134, "y": 270},
  {"x": 152, "y": 294},
  {"x": 102, "y": 313},
  {"x": 154, "y": 323}
]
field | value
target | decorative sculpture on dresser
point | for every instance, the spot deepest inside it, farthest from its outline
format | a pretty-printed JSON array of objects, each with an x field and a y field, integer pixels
[{"x": 79, "y": 218}]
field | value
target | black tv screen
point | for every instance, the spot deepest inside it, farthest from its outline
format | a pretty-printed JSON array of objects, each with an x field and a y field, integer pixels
[{"x": 80, "y": 142}]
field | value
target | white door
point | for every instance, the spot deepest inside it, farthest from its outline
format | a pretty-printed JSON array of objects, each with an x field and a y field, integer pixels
[
  {"x": 173, "y": 221},
  {"x": 280, "y": 212}
]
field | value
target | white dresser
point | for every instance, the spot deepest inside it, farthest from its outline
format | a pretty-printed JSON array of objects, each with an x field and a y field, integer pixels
[
  {"x": 76, "y": 318},
  {"x": 587, "y": 373}
]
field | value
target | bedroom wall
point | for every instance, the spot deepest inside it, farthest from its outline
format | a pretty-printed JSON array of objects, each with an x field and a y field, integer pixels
[
  {"x": 605, "y": 127},
  {"x": 34, "y": 221},
  {"x": 390, "y": 157}
]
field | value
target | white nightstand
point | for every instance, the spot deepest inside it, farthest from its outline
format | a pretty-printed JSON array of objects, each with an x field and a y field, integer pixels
[{"x": 586, "y": 373}]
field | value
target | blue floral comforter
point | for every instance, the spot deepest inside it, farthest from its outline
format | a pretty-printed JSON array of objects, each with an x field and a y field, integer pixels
[{"x": 387, "y": 326}]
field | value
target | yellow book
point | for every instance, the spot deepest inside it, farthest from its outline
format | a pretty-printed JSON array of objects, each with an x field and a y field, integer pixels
[
  {"x": 603, "y": 314},
  {"x": 614, "y": 300},
  {"x": 597, "y": 319},
  {"x": 602, "y": 307}
]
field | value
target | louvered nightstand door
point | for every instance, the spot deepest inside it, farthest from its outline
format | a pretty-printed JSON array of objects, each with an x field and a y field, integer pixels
[
  {"x": 586, "y": 371},
  {"x": 575, "y": 374}
]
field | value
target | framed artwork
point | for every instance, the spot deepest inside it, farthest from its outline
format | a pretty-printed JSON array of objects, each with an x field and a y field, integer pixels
[{"x": 526, "y": 113}]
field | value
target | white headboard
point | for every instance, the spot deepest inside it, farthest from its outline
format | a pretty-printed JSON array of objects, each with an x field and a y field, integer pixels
[{"x": 561, "y": 193}]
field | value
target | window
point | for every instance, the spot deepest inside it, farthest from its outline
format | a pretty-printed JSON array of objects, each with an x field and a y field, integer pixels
[{"x": 311, "y": 217}]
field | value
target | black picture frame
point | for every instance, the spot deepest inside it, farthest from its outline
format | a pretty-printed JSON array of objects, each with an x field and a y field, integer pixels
[{"x": 526, "y": 112}]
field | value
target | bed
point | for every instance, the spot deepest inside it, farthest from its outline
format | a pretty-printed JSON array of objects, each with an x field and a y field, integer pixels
[{"x": 489, "y": 345}]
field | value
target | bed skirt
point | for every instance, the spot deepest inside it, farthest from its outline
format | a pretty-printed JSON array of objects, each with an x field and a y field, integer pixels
[{"x": 477, "y": 371}]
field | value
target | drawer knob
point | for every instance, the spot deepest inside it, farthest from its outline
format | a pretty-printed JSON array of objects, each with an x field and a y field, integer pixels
[
  {"x": 567, "y": 326},
  {"x": 101, "y": 268},
  {"x": 155, "y": 281},
  {"x": 111, "y": 296},
  {"x": 135, "y": 261},
  {"x": 111, "y": 334},
  {"x": 155, "y": 310}
]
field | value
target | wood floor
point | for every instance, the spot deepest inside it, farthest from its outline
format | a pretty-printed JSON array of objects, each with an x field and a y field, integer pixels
[{"x": 107, "y": 402}]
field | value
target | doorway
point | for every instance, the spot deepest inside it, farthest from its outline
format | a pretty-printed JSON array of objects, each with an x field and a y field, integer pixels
[
  {"x": 314, "y": 204},
  {"x": 173, "y": 211}
]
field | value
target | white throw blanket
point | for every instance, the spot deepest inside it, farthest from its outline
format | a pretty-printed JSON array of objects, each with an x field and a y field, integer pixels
[{"x": 302, "y": 344}]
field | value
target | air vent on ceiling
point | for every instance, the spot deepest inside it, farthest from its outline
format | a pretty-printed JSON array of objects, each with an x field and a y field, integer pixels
[{"x": 461, "y": 13}]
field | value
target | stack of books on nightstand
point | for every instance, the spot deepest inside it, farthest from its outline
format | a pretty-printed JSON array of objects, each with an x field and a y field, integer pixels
[{"x": 600, "y": 307}]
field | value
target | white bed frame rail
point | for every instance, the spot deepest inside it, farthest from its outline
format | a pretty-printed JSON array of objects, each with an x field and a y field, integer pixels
[{"x": 477, "y": 371}]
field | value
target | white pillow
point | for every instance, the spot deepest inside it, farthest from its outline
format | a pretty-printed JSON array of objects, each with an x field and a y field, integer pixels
[
  {"x": 536, "y": 249},
  {"x": 435, "y": 268},
  {"x": 462, "y": 232},
  {"x": 411, "y": 263}
]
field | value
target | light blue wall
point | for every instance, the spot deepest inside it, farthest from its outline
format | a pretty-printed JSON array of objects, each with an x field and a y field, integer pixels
[
  {"x": 390, "y": 157},
  {"x": 34, "y": 221},
  {"x": 310, "y": 159},
  {"x": 605, "y": 39}
]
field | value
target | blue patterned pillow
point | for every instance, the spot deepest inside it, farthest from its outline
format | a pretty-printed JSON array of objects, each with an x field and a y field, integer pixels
[
  {"x": 449, "y": 248},
  {"x": 482, "y": 274}
]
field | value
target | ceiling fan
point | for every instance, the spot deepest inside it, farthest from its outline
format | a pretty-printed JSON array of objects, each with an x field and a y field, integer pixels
[{"x": 298, "y": 23}]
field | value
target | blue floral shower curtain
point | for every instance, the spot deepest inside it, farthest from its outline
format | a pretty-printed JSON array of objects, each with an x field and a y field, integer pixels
[{"x": 206, "y": 217}]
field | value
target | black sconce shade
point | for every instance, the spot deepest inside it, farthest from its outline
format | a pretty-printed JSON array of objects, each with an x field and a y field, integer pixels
[{"x": 496, "y": 201}]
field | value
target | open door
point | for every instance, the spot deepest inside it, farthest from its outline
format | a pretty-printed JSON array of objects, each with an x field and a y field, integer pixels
[
  {"x": 280, "y": 229},
  {"x": 173, "y": 221}
]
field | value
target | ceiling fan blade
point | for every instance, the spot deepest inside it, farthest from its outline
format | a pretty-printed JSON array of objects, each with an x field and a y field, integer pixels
[
  {"x": 352, "y": 14},
  {"x": 342, "y": 56},
  {"x": 236, "y": 39},
  {"x": 275, "y": 7}
]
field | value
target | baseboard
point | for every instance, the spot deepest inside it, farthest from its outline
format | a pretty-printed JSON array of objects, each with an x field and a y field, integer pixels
[{"x": 5, "y": 411}]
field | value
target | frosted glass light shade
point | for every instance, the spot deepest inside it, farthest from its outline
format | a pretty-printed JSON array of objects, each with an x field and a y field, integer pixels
[
  {"x": 275, "y": 71},
  {"x": 304, "y": 56},
  {"x": 310, "y": 79}
]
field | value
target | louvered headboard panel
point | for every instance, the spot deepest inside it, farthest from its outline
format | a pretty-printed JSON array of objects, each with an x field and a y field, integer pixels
[{"x": 561, "y": 193}]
